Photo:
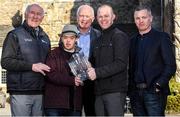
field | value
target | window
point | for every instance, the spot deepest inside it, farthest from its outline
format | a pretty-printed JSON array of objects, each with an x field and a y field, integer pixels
[{"x": 3, "y": 78}]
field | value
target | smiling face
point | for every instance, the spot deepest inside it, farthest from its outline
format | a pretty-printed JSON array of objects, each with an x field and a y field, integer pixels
[
  {"x": 143, "y": 20},
  {"x": 105, "y": 16},
  {"x": 34, "y": 15},
  {"x": 85, "y": 17}
]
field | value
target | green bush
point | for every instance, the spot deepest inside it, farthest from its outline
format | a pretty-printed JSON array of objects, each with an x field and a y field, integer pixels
[
  {"x": 174, "y": 87},
  {"x": 173, "y": 102}
]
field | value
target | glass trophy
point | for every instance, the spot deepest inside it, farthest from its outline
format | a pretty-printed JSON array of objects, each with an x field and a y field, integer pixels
[{"x": 79, "y": 65}]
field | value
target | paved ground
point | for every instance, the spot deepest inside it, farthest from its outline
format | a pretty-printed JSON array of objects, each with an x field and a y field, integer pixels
[{"x": 6, "y": 112}]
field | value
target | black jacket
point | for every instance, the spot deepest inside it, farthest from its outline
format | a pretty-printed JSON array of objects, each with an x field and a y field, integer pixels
[
  {"x": 159, "y": 62},
  {"x": 110, "y": 57},
  {"x": 21, "y": 49}
]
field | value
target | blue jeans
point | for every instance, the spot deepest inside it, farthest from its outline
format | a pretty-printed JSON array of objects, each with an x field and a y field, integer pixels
[
  {"x": 61, "y": 112},
  {"x": 146, "y": 103}
]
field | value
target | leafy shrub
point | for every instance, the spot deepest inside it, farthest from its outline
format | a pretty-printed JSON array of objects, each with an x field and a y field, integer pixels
[{"x": 173, "y": 102}]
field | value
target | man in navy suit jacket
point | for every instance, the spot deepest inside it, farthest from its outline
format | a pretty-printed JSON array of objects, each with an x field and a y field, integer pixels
[
  {"x": 85, "y": 18},
  {"x": 152, "y": 64}
]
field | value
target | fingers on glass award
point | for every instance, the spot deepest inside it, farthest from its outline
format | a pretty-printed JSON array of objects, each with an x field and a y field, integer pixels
[{"x": 79, "y": 65}]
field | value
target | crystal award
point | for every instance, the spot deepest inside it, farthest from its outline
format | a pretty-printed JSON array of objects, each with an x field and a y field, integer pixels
[{"x": 79, "y": 65}]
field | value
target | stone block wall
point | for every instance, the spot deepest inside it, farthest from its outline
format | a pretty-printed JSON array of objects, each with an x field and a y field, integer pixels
[
  {"x": 57, "y": 14},
  {"x": 7, "y": 10},
  {"x": 177, "y": 36},
  {"x": 61, "y": 12}
]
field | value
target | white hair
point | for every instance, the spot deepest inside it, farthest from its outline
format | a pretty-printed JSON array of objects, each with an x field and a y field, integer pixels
[
  {"x": 85, "y": 6},
  {"x": 31, "y": 5}
]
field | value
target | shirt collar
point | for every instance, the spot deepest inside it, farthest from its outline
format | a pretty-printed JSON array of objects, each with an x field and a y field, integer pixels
[{"x": 87, "y": 33}]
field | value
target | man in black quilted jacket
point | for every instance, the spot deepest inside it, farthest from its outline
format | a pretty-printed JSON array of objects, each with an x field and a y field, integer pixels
[
  {"x": 110, "y": 58},
  {"x": 24, "y": 52}
]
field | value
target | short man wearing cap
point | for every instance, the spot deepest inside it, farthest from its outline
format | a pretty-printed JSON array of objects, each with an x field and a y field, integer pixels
[
  {"x": 85, "y": 17},
  {"x": 63, "y": 90}
]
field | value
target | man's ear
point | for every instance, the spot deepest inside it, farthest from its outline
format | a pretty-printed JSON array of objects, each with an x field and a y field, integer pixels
[
  {"x": 151, "y": 18},
  {"x": 114, "y": 16},
  {"x": 92, "y": 19}
]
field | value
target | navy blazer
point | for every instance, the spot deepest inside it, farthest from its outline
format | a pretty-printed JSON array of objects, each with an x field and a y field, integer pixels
[
  {"x": 94, "y": 34},
  {"x": 159, "y": 62},
  {"x": 89, "y": 85}
]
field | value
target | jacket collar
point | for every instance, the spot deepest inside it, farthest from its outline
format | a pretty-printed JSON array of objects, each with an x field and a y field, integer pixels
[
  {"x": 32, "y": 31},
  {"x": 77, "y": 48},
  {"x": 146, "y": 34},
  {"x": 108, "y": 29},
  {"x": 86, "y": 33}
]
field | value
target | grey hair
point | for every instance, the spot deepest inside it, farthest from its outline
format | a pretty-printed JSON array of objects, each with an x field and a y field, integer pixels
[
  {"x": 143, "y": 7},
  {"x": 31, "y": 5},
  {"x": 82, "y": 6}
]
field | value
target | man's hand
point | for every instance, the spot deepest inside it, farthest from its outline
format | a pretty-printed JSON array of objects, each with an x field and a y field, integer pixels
[
  {"x": 89, "y": 65},
  {"x": 158, "y": 87},
  {"x": 41, "y": 68},
  {"x": 91, "y": 73},
  {"x": 78, "y": 81}
]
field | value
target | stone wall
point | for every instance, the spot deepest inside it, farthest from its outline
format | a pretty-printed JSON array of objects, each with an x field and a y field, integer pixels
[
  {"x": 57, "y": 14},
  {"x": 7, "y": 9},
  {"x": 61, "y": 12},
  {"x": 177, "y": 36}
]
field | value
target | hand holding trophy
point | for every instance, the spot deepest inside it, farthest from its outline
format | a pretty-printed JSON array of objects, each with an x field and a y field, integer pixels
[{"x": 79, "y": 65}]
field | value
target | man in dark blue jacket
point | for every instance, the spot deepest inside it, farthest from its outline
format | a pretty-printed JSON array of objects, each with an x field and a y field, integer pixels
[
  {"x": 152, "y": 64},
  {"x": 85, "y": 17},
  {"x": 24, "y": 52}
]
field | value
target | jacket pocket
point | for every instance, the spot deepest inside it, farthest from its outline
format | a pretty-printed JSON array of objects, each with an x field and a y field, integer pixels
[
  {"x": 13, "y": 80},
  {"x": 31, "y": 80}
]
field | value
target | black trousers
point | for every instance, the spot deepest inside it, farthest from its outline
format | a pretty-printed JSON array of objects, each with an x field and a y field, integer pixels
[{"x": 89, "y": 98}]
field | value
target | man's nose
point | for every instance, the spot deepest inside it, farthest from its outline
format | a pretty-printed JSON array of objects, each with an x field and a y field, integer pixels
[
  {"x": 141, "y": 20},
  {"x": 35, "y": 16},
  {"x": 68, "y": 40}
]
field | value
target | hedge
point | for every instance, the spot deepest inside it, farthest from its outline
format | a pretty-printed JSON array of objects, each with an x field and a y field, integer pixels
[{"x": 173, "y": 102}]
